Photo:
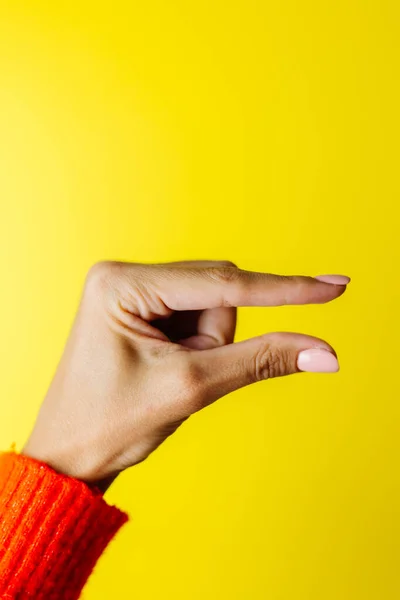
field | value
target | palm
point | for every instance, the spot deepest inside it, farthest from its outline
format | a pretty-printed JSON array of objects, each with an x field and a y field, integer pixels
[{"x": 199, "y": 329}]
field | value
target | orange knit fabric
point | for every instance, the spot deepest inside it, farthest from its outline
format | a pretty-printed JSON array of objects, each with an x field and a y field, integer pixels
[{"x": 53, "y": 528}]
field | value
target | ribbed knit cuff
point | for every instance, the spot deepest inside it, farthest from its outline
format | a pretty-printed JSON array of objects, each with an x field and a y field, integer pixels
[{"x": 53, "y": 528}]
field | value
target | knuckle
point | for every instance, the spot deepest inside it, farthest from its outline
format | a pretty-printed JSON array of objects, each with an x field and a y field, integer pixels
[
  {"x": 232, "y": 277},
  {"x": 100, "y": 273},
  {"x": 299, "y": 285},
  {"x": 187, "y": 372},
  {"x": 105, "y": 275},
  {"x": 188, "y": 379},
  {"x": 270, "y": 362},
  {"x": 228, "y": 263},
  {"x": 225, "y": 274},
  {"x": 228, "y": 274}
]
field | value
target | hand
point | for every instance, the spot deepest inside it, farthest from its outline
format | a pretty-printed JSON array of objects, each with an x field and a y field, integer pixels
[{"x": 151, "y": 345}]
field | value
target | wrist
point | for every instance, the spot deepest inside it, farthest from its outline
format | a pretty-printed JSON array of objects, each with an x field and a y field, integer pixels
[{"x": 68, "y": 466}]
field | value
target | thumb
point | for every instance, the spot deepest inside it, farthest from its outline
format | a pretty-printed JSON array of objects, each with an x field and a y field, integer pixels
[{"x": 228, "y": 368}]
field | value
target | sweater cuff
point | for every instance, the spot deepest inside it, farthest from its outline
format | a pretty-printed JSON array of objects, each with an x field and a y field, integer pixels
[{"x": 53, "y": 529}]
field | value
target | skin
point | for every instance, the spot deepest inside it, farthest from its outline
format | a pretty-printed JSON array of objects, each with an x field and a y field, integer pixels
[{"x": 150, "y": 346}]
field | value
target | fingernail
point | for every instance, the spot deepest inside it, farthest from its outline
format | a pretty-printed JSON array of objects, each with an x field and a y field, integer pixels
[
  {"x": 317, "y": 360},
  {"x": 336, "y": 279}
]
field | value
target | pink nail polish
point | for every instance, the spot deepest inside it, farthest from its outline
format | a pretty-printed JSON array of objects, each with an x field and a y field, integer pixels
[
  {"x": 336, "y": 279},
  {"x": 317, "y": 360}
]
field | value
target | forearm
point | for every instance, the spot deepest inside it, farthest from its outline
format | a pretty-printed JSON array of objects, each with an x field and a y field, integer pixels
[{"x": 53, "y": 529}]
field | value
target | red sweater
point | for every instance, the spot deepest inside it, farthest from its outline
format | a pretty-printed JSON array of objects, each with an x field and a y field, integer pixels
[{"x": 53, "y": 528}]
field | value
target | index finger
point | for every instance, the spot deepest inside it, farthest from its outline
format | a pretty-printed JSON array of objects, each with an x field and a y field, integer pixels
[{"x": 212, "y": 287}]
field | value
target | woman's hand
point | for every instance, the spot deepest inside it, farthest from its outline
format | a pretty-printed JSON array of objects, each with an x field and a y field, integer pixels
[{"x": 153, "y": 344}]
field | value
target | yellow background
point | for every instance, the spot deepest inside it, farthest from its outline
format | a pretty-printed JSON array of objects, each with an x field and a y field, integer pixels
[{"x": 262, "y": 132}]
